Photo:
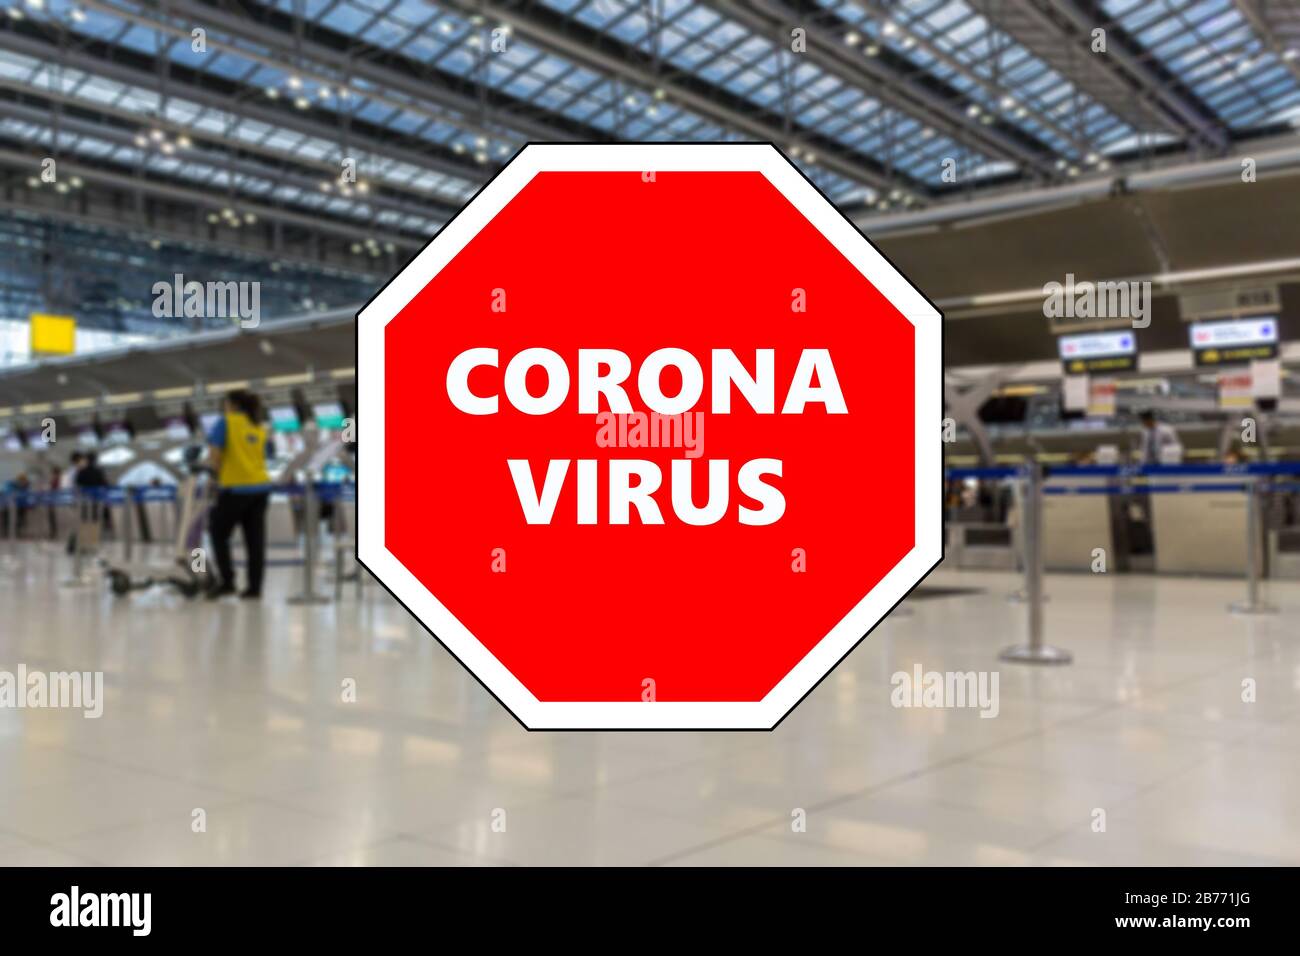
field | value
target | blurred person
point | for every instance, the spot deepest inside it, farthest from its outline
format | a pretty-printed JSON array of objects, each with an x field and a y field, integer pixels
[
  {"x": 90, "y": 475},
  {"x": 90, "y": 481},
  {"x": 238, "y": 443},
  {"x": 19, "y": 485},
  {"x": 55, "y": 483},
  {"x": 68, "y": 479},
  {"x": 1156, "y": 437}
]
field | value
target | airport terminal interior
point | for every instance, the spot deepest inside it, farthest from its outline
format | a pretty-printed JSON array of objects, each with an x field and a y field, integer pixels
[{"x": 1101, "y": 196}]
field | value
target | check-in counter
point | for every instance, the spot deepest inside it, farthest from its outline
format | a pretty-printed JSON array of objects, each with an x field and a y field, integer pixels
[
  {"x": 1284, "y": 553},
  {"x": 1076, "y": 521},
  {"x": 1202, "y": 532},
  {"x": 282, "y": 522},
  {"x": 982, "y": 547},
  {"x": 160, "y": 518}
]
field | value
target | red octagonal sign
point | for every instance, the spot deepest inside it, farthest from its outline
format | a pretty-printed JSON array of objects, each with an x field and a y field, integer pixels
[{"x": 651, "y": 436}]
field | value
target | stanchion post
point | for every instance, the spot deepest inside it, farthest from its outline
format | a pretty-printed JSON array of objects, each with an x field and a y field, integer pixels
[
  {"x": 1254, "y": 553},
  {"x": 356, "y": 544},
  {"x": 1035, "y": 651},
  {"x": 336, "y": 530},
  {"x": 1021, "y": 594},
  {"x": 78, "y": 545},
  {"x": 128, "y": 525},
  {"x": 11, "y": 528},
  {"x": 310, "y": 529}
]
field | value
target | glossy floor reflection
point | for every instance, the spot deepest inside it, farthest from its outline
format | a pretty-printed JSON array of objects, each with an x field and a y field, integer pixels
[{"x": 235, "y": 710}]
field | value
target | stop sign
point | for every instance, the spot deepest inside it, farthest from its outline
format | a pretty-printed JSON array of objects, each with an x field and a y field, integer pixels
[{"x": 652, "y": 436}]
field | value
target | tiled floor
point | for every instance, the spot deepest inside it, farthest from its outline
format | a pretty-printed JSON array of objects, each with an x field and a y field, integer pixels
[{"x": 235, "y": 710}]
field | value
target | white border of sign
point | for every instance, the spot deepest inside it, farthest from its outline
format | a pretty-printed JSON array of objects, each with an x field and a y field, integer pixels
[{"x": 660, "y": 715}]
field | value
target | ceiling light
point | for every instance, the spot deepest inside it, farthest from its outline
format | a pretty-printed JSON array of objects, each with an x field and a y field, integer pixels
[
  {"x": 973, "y": 110},
  {"x": 323, "y": 92},
  {"x": 294, "y": 83},
  {"x": 61, "y": 187},
  {"x": 183, "y": 142},
  {"x": 156, "y": 135},
  {"x": 168, "y": 148},
  {"x": 78, "y": 14},
  {"x": 76, "y": 182},
  {"x": 480, "y": 157},
  {"x": 1008, "y": 102},
  {"x": 363, "y": 187},
  {"x": 852, "y": 38},
  {"x": 872, "y": 49},
  {"x": 212, "y": 218},
  {"x": 250, "y": 218},
  {"x": 889, "y": 28},
  {"x": 356, "y": 248},
  {"x": 302, "y": 102},
  {"x": 272, "y": 93}
]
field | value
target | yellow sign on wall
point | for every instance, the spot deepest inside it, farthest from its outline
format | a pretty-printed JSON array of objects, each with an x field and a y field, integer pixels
[{"x": 53, "y": 334}]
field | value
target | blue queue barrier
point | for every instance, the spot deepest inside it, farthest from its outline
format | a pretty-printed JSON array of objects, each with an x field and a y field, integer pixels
[
  {"x": 12, "y": 502},
  {"x": 1252, "y": 469},
  {"x": 1256, "y": 480}
]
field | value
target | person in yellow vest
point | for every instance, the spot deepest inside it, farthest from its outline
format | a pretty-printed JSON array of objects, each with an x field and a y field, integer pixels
[{"x": 238, "y": 450}]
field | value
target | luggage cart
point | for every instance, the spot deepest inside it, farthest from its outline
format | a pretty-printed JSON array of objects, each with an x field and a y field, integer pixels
[{"x": 192, "y": 502}]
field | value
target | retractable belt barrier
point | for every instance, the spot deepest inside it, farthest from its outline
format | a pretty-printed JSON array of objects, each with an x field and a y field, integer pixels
[
  {"x": 313, "y": 494},
  {"x": 1255, "y": 480}
]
